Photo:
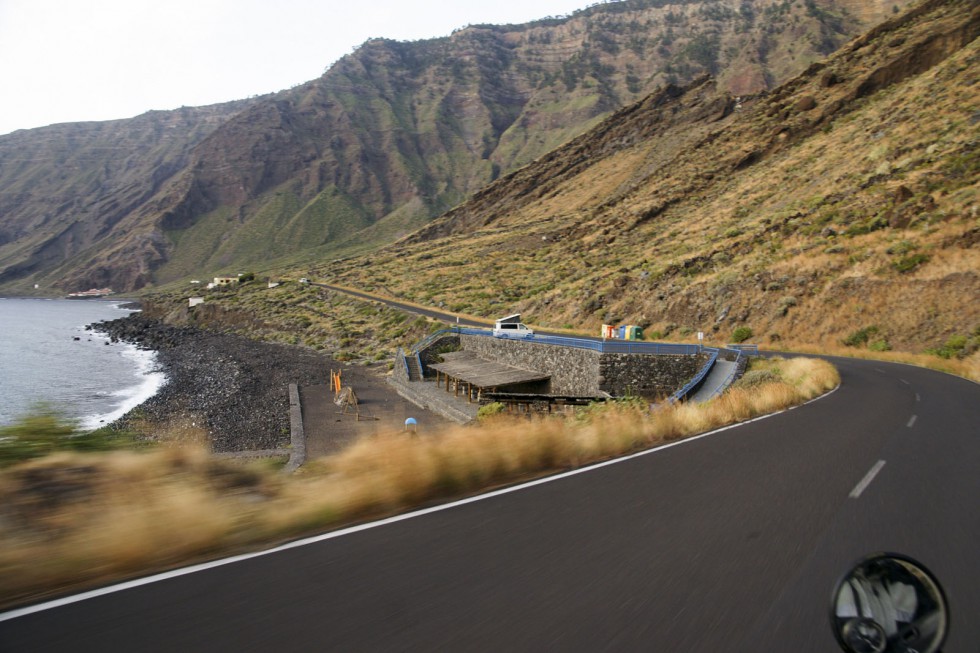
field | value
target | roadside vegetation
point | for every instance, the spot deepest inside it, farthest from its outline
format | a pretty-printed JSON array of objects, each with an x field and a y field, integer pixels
[
  {"x": 70, "y": 519},
  {"x": 292, "y": 313},
  {"x": 44, "y": 432}
]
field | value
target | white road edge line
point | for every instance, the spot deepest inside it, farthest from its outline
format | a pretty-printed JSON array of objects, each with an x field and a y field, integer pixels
[
  {"x": 148, "y": 580},
  {"x": 912, "y": 421},
  {"x": 866, "y": 481}
]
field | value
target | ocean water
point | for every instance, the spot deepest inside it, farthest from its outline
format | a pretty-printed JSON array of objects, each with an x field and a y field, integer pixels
[{"x": 88, "y": 379}]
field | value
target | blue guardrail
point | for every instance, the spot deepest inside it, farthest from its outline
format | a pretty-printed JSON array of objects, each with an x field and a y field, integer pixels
[{"x": 602, "y": 346}]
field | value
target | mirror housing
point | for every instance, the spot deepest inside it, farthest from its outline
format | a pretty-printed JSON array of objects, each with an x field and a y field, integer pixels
[{"x": 889, "y": 603}]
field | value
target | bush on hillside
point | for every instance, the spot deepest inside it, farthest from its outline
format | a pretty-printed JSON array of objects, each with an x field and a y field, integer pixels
[
  {"x": 861, "y": 336},
  {"x": 741, "y": 334}
]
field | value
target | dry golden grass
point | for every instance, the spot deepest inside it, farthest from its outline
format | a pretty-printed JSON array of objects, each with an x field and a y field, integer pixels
[
  {"x": 68, "y": 521},
  {"x": 968, "y": 368}
]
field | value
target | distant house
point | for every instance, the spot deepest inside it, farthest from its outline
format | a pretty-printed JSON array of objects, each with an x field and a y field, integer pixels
[
  {"x": 94, "y": 292},
  {"x": 225, "y": 281},
  {"x": 194, "y": 301}
]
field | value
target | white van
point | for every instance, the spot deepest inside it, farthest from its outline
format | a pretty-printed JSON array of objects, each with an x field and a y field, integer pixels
[{"x": 511, "y": 327}]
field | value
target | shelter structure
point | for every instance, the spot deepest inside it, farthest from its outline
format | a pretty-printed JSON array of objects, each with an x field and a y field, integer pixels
[{"x": 465, "y": 372}]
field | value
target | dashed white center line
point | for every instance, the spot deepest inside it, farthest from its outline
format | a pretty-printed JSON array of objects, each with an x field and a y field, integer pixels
[
  {"x": 918, "y": 397},
  {"x": 866, "y": 481},
  {"x": 912, "y": 421}
]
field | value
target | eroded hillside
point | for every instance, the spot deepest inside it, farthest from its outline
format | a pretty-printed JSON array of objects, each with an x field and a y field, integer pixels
[
  {"x": 842, "y": 203},
  {"x": 389, "y": 137},
  {"x": 67, "y": 187}
]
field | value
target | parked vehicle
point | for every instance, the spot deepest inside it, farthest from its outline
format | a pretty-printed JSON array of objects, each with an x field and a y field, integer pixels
[{"x": 511, "y": 327}]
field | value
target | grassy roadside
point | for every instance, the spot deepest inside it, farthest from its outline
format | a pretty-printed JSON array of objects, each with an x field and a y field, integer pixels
[
  {"x": 70, "y": 520},
  {"x": 967, "y": 368}
]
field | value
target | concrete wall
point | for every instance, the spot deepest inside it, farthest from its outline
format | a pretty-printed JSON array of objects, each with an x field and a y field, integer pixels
[{"x": 588, "y": 373}]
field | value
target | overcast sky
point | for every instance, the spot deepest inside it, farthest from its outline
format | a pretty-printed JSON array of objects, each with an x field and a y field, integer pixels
[{"x": 74, "y": 60}]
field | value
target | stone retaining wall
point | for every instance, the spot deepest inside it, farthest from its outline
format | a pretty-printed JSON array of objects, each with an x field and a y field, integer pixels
[
  {"x": 399, "y": 371},
  {"x": 585, "y": 372},
  {"x": 646, "y": 375},
  {"x": 430, "y": 354}
]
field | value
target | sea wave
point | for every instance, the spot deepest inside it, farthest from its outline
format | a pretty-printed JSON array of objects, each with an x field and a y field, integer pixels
[{"x": 149, "y": 379}]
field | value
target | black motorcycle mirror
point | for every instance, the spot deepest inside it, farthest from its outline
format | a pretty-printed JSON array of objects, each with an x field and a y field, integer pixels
[{"x": 889, "y": 603}]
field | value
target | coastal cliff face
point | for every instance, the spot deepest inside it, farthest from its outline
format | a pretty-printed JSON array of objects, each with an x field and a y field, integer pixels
[
  {"x": 388, "y": 138},
  {"x": 65, "y": 189}
]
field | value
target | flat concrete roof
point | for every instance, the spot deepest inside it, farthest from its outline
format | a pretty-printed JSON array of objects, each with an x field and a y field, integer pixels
[{"x": 472, "y": 369}]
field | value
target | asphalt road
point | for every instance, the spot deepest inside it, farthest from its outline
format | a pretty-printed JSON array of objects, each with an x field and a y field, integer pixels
[
  {"x": 730, "y": 542},
  {"x": 449, "y": 318}
]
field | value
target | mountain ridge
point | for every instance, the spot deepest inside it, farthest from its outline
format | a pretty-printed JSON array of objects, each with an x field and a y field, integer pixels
[
  {"x": 396, "y": 133},
  {"x": 839, "y": 207}
]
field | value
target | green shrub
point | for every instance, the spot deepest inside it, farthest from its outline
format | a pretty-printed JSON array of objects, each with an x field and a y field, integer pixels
[
  {"x": 861, "y": 336},
  {"x": 880, "y": 345},
  {"x": 741, "y": 334},
  {"x": 909, "y": 263},
  {"x": 957, "y": 346},
  {"x": 489, "y": 410},
  {"x": 866, "y": 227}
]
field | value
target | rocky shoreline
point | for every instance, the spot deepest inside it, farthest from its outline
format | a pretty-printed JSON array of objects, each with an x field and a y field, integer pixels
[{"x": 234, "y": 388}]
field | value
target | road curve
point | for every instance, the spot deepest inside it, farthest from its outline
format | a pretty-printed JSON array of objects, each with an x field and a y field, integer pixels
[{"x": 729, "y": 542}]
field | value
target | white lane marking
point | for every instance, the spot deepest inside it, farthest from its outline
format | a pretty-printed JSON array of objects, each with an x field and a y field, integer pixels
[
  {"x": 918, "y": 397},
  {"x": 905, "y": 382},
  {"x": 912, "y": 421},
  {"x": 204, "y": 566},
  {"x": 866, "y": 481}
]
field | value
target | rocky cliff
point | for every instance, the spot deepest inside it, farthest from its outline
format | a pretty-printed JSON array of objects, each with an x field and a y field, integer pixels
[
  {"x": 840, "y": 207},
  {"x": 388, "y": 138}
]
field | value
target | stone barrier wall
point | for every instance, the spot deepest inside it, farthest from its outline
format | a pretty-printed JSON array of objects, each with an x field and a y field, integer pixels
[
  {"x": 399, "y": 371},
  {"x": 431, "y": 353},
  {"x": 646, "y": 375},
  {"x": 588, "y": 373},
  {"x": 297, "y": 433}
]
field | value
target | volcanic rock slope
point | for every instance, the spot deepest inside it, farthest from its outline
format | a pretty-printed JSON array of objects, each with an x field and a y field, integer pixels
[
  {"x": 389, "y": 137},
  {"x": 841, "y": 205}
]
